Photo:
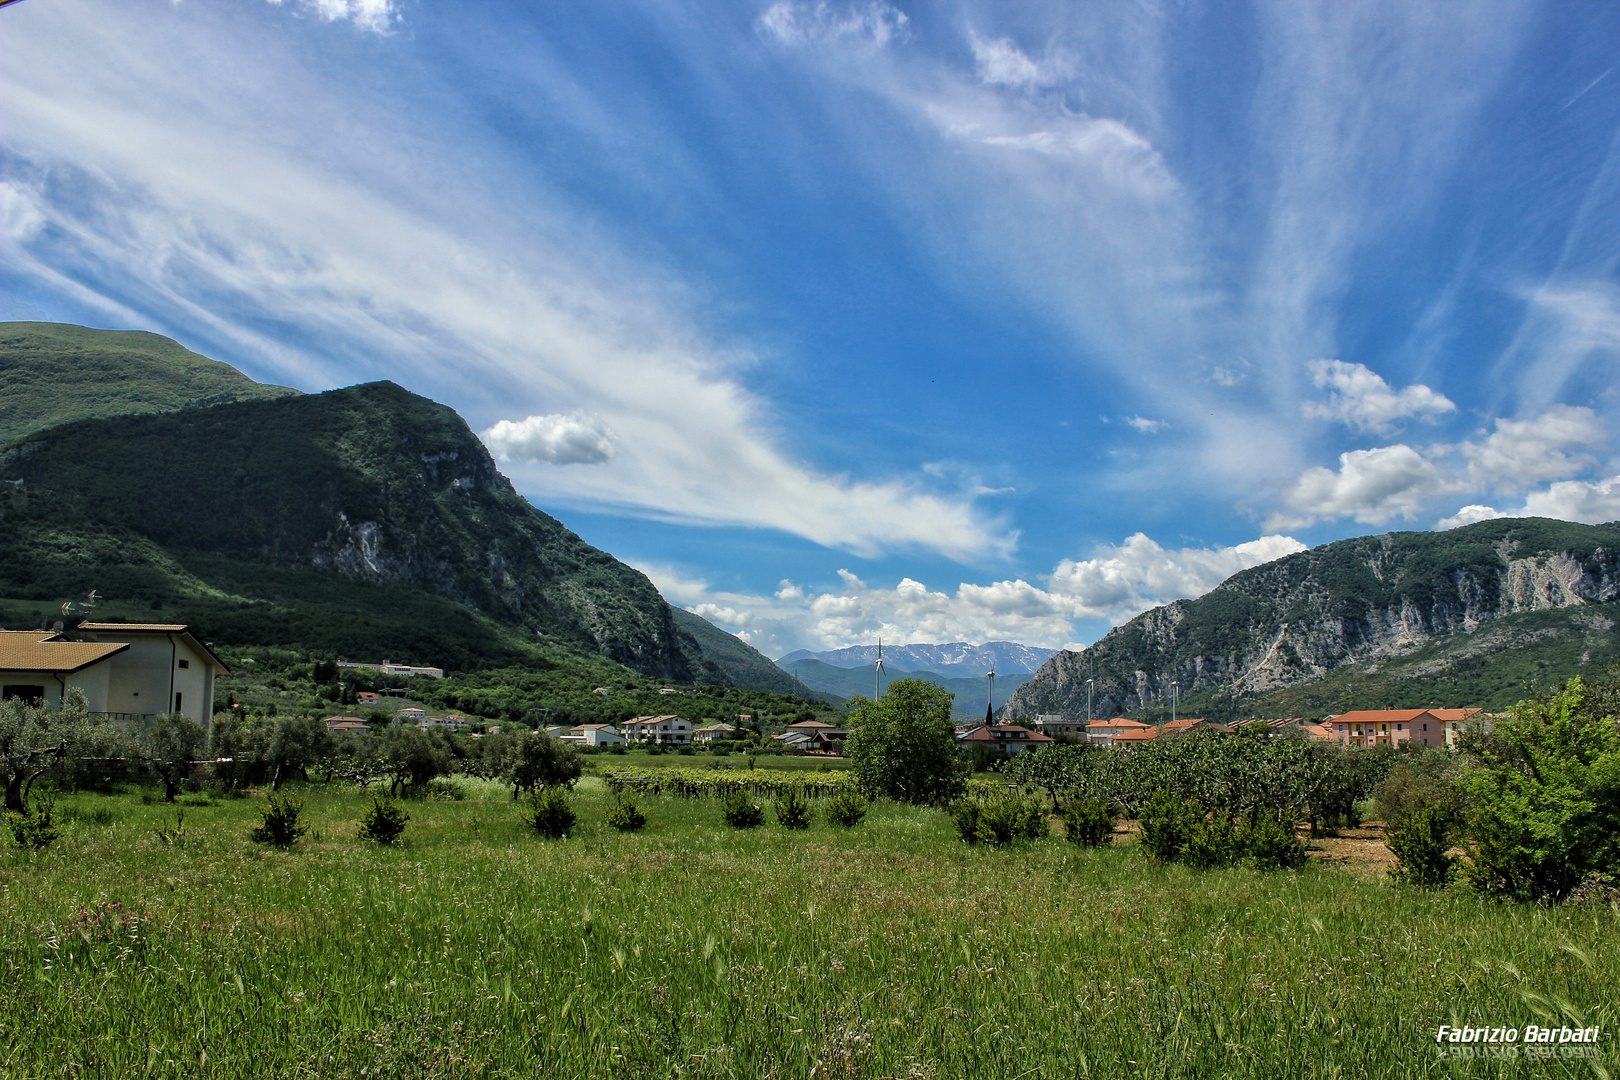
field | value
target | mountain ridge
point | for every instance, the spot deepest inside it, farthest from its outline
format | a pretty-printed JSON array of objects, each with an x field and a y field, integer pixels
[
  {"x": 956, "y": 659},
  {"x": 1270, "y": 630}
]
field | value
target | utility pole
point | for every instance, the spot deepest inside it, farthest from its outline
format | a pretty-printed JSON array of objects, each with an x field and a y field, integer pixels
[
  {"x": 1089, "y": 683},
  {"x": 1175, "y": 697}
]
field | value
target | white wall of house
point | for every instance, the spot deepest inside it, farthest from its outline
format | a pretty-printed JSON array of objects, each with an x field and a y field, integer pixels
[
  {"x": 159, "y": 673},
  {"x": 92, "y": 680}
]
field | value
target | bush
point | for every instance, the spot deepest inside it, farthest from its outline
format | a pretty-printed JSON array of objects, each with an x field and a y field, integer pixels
[
  {"x": 742, "y": 812},
  {"x": 1270, "y": 844},
  {"x": 625, "y": 815},
  {"x": 1545, "y": 802},
  {"x": 904, "y": 747},
  {"x": 1088, "y": 822},
  {"x": 999, "y": 819},
  {"x": 278, "y": 822},
  {"x": 1212, "y": 841},
  {"x": 1420, "y": 839},
  {"x": 846, "y": 809},
  {"x": 548, "y": 812},
  {"x": 443, "y": 789},
  {"x": 1166, "y": 824},
  {"x": 792, "y": 811},
  {"x": 36, "y": 827},
  {"x": 383, "y": 821}
]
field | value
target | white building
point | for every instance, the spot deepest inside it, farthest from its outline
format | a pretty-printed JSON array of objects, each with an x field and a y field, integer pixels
[
  {"x": 593, "y": 735},
  {"x": 397, "y": 669},
  {"x": 658, "y": 729},
  {"x": 712, "y": 732},
  {"x": 129, "y": 671}
]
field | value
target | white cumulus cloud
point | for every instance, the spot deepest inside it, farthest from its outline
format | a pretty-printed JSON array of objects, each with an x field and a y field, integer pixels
[
  {"x": 574, "y": 438},
  {"x": 1360, "y": 398},
  {"x": 1519, "y": 453},
  {"x": 1115, "y": 583},
  {"x": 1370, "y": 486}
]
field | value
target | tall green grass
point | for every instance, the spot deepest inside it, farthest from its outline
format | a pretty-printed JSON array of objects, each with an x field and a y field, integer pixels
[{"x": 691, "y": 949}]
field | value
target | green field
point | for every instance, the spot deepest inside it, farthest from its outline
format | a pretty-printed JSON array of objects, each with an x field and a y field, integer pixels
[{"x": 691, "y": 950}]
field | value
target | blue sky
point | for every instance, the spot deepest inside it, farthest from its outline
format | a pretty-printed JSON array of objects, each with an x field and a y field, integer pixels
[{"x": 935, "y": 321}]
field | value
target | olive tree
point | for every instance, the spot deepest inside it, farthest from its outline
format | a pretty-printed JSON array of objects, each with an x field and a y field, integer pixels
[
  {"x": 904, "y": 746},
  {"x": 537, "y": 760},
  {"x": 36, "y": 738},
  {"x": 170, "y": 748}
]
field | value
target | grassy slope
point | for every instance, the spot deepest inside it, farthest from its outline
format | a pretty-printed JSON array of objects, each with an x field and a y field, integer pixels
[
  {"x": 888, "y": 951},
  {"x": 53, "y": 373}
]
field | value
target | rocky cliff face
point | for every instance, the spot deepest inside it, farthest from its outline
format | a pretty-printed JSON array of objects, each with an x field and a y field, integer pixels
[
  {"x": 1355, "y": 601},
  {"x": 371, "y": 483}
]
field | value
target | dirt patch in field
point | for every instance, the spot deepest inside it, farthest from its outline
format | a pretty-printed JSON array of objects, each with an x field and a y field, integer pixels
[{"x": 1361, "y": 851}]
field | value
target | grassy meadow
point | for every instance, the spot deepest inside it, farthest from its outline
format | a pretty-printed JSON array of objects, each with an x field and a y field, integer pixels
[{"x": 692, "y": 950}]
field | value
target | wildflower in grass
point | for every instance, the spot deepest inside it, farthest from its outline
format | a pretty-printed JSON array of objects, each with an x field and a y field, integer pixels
[
  {"x": 548, "y": 812},
  {"x": 383, "y": 820},
  {"x": 278, "y": 822}
]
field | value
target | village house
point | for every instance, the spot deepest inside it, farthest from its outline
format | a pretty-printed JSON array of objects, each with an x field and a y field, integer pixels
[
  {"x": 714, "y": 732},
  {"x": 1368, "y": 728},
  {"x": 1061, "y": 728},
  {"x": 658, "y": 729},
  {"x": 1188, "y": 723},
  {"x": 593, "y": 735},
  {"x": 1007, "y": 738},
  {"x": 127, "y": 671},
  {"x": 388, "y": 668},
  {"x": 335, "y": 724},
  {"x": 1107, "y": 732},
  {"x": 366, "y": 697}
]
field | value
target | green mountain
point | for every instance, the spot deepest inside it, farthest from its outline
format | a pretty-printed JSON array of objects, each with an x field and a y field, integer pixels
[
  {"x": 364, "y": 523},
  {"x": 52, "y": 373},
  {"x": 1483, "y": 615}
]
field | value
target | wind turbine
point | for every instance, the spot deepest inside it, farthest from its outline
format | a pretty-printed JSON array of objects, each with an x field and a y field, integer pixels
[
  {"x": 990, "y": 696},
  {"x": 879, "y": 692}
]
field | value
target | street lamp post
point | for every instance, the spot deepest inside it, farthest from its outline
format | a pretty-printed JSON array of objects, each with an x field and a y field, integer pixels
[
  {"x": 1089, "y": 683},
  {"x": 1175, "y": 698}
]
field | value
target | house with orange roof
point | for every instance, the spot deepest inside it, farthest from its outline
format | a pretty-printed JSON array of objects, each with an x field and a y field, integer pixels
[
  {"x": 1127, "y": 738},
  {"x": 1368, "y": 728},
  {"x": 1186, "y": 724},
  {"x": 1104, "y": 732}
]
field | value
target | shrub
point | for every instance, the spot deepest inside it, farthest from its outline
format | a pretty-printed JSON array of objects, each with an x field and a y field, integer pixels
[
  {"x": 1545, "y": 802},
  {"x": 1420, "y": 839},
  {"x": 904, "y": 747},
  {"x": 383, "y": 821},
  {"x": 1088, "y": 822},
  {"x": 548, "y": 812},
  {"x": 999, "y": 819},
  {"x": 792, "y": 811},
  {"x": 278, "y": 822},
  {"x": 1270, "y": 844},
  {"x": 625, "y": 815},
  {"x": 965, "y": 817},
  {"x": 846, "y": 809},
  {"x": 35, "y": 827},
  {"x": 1212, "y": 841},
  {"x": 1166, "y": 824},
  {"x": 443, "y": 789},
  {"x": 742, "y": 812}
]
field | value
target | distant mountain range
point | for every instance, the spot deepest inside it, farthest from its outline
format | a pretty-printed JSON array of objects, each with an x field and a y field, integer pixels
[
  {"x": 958, "y": 659},
  {"x": 361, "y": 523},
  {"x": 958, "y": 667},
  {"x": 1485, "y": 615}
]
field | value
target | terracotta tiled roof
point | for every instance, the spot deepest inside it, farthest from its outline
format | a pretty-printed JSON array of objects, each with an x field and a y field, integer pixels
[
  {"x": 1177, "y": 725},
  {"x": 41, "y": 650},
  {"x": 1381, "y": 716},
  {"x": 1004, "y": 733},
  {"x": 809, "y": 725},
  {"x": 1452, "y": 714},
  {"x": 1137, "y": 736}
]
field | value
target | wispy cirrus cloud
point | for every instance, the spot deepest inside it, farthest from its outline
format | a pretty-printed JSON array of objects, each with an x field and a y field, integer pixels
[
  {"x": 235, "y": 219},
  {"x": 377, "y": 16}
]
